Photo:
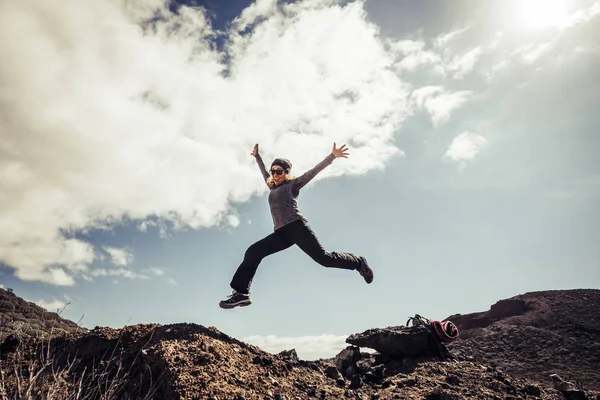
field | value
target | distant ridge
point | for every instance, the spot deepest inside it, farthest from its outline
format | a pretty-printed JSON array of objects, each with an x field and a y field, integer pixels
[{"x": 536, "y": 334}]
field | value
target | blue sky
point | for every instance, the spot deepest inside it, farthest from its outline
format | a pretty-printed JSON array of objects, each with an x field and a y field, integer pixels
[{"x": 128, "y": 190}]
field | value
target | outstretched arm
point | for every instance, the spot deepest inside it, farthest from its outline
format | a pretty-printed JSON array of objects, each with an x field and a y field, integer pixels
[
  {"x": 306, "y": 177},
  {"x": 259, "y": 161}
]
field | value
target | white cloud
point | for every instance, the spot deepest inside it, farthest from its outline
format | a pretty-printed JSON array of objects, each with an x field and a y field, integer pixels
[
  {"x": 463, "y": 64},
  {"x": 530, "y": 53},
  {"x": 465, "y": 147},
  {"x": 414, "y": 60},
  {"x": 498, "y": 68},
  {"x": 445, "y": 39},
  {"x": 53, "y": 305},
  {"x": 125, "y": 273},
  {"x": 171, "y": 281},
  {"x": 106, "y": 120},
  {"x": 261, "y": 8},
  {"x": 582, "y": 16},
  {"x": 412, "y": 54},
  {"x": 57, "y": 276},
  {"x": 233, "y": 220},
  {"x": 438, "y": 103},
  {"x": 155, "y": 271},
  {"x": 406, "y": 46},
  {"x": 541, "y": 51},
  {"x": 120, "y": 257},
  {"x": 491, "y": 52},
  {"x": 160, "y": 273},
  {"x": 307, "y": 347},
  {"x": 143, "y": 226},
  {"x": 1, "y": 286}
]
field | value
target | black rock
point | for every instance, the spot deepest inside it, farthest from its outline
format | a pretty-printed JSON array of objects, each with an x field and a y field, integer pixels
[
  {"x": 333, "y": 373},
  {"x": 262, "y": 360},
  {"x": 379, "y": 372},
  {"x": 369, "y": 376},
  {"x": 453, "y": 379},
  {"x": 356, "y": 382},
  {"x": 289, "y": 355},
  {"x": 314, "y": 366},
  {"x": 533, "y": 390},
  {"x": 10, "y": 344},
  {"x": 375, "y": 374},
  {"x": 346, "y": 360},
  {"x": 574, "y": 394},
  {"x": 399, "y": 341}
]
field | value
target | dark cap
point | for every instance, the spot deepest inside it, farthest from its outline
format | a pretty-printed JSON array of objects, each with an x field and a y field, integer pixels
[{"x": 283, "y": 163}]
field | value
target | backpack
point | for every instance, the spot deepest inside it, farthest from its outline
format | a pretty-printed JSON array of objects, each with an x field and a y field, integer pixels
[
  {"x": 441, "y": 331},
  {"x": 444, "y": 331}
]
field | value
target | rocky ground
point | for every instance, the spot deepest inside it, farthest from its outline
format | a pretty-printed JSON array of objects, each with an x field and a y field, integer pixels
[
  {"x": 187, "y": 361},
  {"x": 536, "y": 334},
  {"x": 25, "y": 319}
]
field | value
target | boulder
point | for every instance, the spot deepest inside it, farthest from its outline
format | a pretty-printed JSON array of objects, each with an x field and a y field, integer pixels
[
  {"x": 289, "y": 355},
  {"x": 346, "y": 360},
  {"x": 397, "y": 341},
  {"x": 333, "y": 373}
]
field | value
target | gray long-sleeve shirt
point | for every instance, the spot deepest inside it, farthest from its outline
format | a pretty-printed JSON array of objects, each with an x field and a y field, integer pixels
[{"x": 283, "y": 199}]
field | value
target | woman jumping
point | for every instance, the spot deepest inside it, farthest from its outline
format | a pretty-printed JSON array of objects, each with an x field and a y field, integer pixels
[{"x": 290, "y": 228}]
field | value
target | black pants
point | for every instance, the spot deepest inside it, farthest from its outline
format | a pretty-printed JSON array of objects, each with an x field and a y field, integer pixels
[{"x": 298, "y": 233}]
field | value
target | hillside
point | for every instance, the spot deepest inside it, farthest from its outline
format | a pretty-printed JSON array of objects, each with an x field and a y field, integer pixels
[
  {"x": 189, "y": 361},
  {"x": 536, "y": 334},
  {"x": 26, "y": 319},
  {"x": 186, "y": 361}
]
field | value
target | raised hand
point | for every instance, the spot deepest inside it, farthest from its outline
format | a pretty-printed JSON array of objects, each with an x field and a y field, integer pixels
[
  {"x": 255, "y": 150},
  {"x": 340, "y": 152}
]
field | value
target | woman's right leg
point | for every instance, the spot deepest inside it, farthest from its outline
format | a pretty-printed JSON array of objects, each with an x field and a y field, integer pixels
[
  {"x": 273, "y": 243},
  {"x": 304, "y": 237}
]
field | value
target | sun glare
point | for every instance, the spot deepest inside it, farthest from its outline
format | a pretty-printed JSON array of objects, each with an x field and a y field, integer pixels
[{"x": 542, "y": 13}]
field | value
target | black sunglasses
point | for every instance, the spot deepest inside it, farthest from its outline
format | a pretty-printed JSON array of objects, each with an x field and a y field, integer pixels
[{"x": 277, "y": 172}]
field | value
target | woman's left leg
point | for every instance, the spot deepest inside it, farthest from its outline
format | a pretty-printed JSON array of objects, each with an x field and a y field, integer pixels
[{"x": 303, "y": 236}]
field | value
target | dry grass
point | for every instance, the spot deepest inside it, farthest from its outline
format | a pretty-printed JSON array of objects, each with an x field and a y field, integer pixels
[{"x": 38, "y": 370}]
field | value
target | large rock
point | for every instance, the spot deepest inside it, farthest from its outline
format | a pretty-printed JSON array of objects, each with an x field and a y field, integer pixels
[
  {"x": 289, "y": 355},
  {"x": 345, "y": 360},
  {"x": 397, "y": 341}
]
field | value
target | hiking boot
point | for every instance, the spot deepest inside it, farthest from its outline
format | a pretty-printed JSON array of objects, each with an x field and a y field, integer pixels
[
  {"x": 236, "y": 299},
  {"x": 364, "y": 270}
]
